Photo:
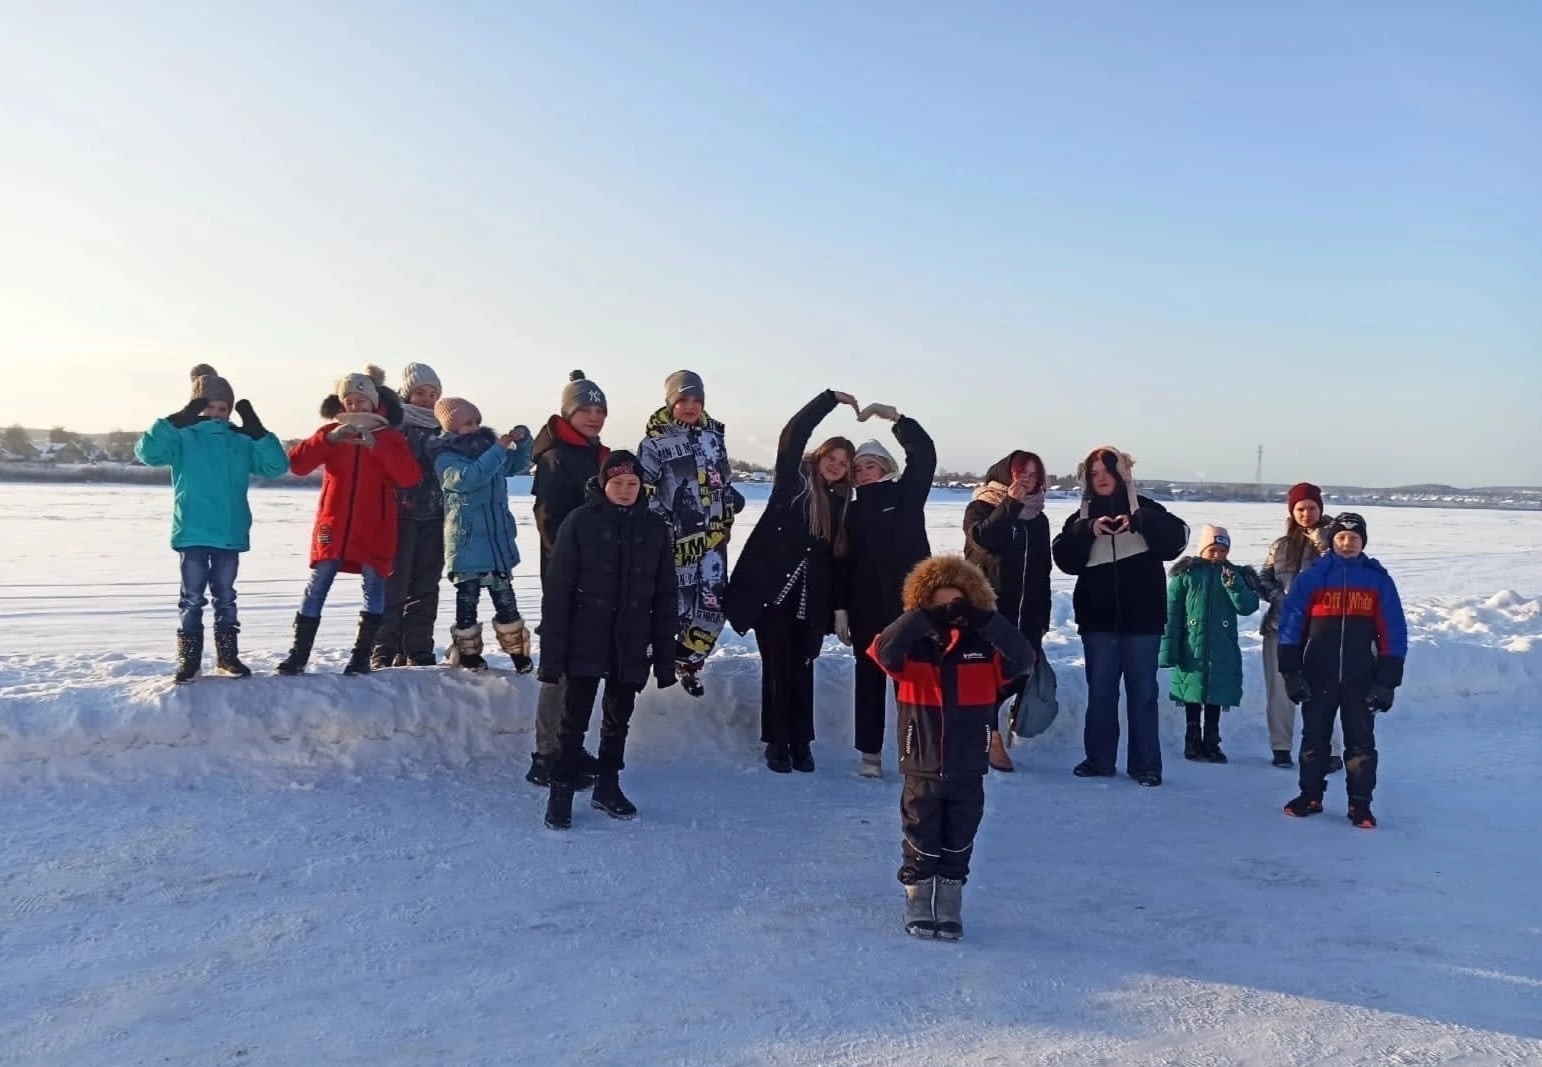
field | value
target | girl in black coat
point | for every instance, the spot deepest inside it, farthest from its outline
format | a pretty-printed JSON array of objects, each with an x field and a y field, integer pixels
[
  {"x": 886, "y": 531},
  {"x": 1006, "y": 535},
  {"x": 608, "y": 612},
  {"x": 783, "y": 585}
]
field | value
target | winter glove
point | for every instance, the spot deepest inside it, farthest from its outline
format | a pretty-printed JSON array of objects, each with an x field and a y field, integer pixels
[
  {"x": 883, "y": 411},
  {"x": 189, "y": 415},
  {"x": 1379, "y": 698},
  {"x": 251, "y": 425},
  {"x": 1297, "y": 688},
  {"x": 843, "y": 626}
]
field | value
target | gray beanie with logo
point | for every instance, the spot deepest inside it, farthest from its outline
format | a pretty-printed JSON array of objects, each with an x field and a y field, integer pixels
[
  {"x": 681, "y": 384},
  {"x": 208, "y": 385},
  {"x": 580, "y": 392}
]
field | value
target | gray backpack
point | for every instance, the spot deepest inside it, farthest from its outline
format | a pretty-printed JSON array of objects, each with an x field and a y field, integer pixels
[{"x": 1037, "y": 704}]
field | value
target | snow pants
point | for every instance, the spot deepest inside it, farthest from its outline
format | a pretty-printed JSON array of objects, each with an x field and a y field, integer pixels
[
  {"x": 940, "y": 818},
  {"x": 702, "y": 586},
  {"x": 1280, "y": 711},
  {"x": 786, "y": 679},
  {"x": 412, "y": 592},
  {"x": 871, "y": 696},
  {"x": 1317, "y": 715},
  {"x": 578, "y": 708}
]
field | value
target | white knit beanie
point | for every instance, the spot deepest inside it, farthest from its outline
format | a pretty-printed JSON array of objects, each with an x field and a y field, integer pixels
[
  {"x": 875, "y": 450},
  {"x": 417, "y": 375}
]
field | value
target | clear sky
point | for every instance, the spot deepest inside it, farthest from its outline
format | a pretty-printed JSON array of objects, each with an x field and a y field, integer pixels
[{"x": 1185, "y": 228}]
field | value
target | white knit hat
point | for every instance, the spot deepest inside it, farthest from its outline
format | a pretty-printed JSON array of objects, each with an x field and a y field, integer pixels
[
  {"x": 417, "y": 375},
  {"x": 875, "y": 450}
]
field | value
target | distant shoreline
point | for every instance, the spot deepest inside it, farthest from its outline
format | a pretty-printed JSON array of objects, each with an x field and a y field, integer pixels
[{"x": 127, "y": 474}]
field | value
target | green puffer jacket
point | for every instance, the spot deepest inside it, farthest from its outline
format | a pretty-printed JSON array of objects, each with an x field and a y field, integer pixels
[{"x": 1204, "y": 601}]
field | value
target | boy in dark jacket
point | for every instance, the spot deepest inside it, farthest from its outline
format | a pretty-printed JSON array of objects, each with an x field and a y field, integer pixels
[
  {"x": 567, "y": 454},
  {"x": 1343, "y": 639},
  {"x": 212, "y": 462},
  {"x": 953, "y": 656},
  {"x": 608, "y": 614}
]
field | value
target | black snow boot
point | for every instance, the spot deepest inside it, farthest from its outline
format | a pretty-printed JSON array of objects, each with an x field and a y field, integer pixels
[
  {"x": 802, "y": 758},
  {"x": 1210, "y": 748},
  {"x": 1360, "y": 814},
  {"x": 227, "y": 654},
  {"x": 1191, "y": 750},
  {"x": 778, "y": 759},
  {"x": 369, "y": 625},
  {"x": 304, "y": 639},
  {"x": 1303, "y": 805},
  {"x": 609, "y": 798},
  {"x": 559, "y": 807},
  {"x": 1282, "y": 758},
  {"x": 189, "y": 656},
  {"x": 540, "y": 770}
]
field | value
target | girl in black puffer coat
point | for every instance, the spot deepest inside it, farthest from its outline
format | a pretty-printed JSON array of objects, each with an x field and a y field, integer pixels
[
  {"x": 783, "y": 585},
  {"x": 608, "y": 613}
]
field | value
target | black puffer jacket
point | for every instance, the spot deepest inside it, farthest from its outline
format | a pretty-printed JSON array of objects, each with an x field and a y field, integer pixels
[
  {"x": 424, "y": 502},
  {"x": 1121, "y": 584},
  {"x": 886, "y": 532},
  {"x": 1015, "y": 555},
  {"x": 781, "y": 539},
  {"x": 565, "y": 462},
  {"x": 608, "y": 599}
]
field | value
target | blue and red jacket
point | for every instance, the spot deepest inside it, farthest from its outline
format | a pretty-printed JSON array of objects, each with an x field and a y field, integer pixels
[
  {"x": 949, "y": 687},
  {"x": 1343, "y": 622}
]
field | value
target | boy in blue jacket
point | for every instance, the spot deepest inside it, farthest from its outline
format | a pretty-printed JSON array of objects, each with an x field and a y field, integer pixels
[
  {"x": 211, "y": 465},
  {"x": 474, "y": 465},
  {"x": 1343, "y": 639}
]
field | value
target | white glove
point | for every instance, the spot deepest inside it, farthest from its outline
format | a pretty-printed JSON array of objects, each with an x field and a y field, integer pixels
[
  {"x": 843, "y": 627},
  {"x": 883, "y": 411}
]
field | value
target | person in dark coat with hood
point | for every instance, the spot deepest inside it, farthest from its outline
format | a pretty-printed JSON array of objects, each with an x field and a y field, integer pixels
[
  {"x": 783, "y": 585},
  {"x": 567, "y": 455},
  {"x": 608, "y": 614},
  {"x": 1116, "y": 545},
  {"x": 1006, "y": 535},
  {"x": 886, "y": 535}
]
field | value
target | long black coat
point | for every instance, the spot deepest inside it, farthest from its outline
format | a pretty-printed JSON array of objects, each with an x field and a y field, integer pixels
[
  {"x": 565, "y": 462},
  {"x": 608, "y": 600},
  {"x": 886, "y": 532},
  {"x": 1015, "y": 555},
  {"x": 781, "y": 538}
]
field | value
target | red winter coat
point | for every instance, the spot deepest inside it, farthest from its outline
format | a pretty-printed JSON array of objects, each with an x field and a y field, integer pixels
[{"x": 356, "y": 519}]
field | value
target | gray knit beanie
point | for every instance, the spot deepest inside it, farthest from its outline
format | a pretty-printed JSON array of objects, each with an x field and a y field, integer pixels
[
  {"x": 681, "y": 384},
  {"x": 580, "y": 392},
  {"x": 417, "y": 375},
  {"x": 208, "y": 385},
  {"x": 362, "y": 384}
]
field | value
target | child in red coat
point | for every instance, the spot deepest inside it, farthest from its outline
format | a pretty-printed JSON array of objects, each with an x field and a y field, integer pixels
[{"x": 365, "y": 461}]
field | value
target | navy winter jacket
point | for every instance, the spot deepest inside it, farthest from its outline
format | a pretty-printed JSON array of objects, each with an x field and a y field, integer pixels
[{"x": 1343, "y": 622}]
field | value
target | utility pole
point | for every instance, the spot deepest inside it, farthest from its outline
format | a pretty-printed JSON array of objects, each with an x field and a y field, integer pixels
[{"x": 1258, "y": 473}]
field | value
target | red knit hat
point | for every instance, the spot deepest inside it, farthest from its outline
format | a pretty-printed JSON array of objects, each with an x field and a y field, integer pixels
[{"x": 1303, "y": 491}]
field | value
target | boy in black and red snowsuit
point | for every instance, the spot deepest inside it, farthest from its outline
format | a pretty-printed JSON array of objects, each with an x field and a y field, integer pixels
[{"x": 953, "y": 657}]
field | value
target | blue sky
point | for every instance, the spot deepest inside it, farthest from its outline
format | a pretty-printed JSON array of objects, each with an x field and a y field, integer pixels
[{"x": 1185, "y": 228}]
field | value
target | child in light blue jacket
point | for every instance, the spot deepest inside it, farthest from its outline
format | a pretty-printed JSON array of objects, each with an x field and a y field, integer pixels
[
  {"x": 211, "y": 465},
  {"x": 473, "y": 465}
]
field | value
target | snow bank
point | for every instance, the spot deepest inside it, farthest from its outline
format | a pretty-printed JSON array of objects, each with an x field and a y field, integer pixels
[{"x": 116, "y": 715}]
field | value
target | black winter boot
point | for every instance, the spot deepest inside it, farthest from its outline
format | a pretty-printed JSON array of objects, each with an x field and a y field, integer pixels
[
  {"x": 778, "y": 759},
  {"x": 1360, "y": 814},
  {"x": 189, "y": 656},
  {"x": 227, "y": 654},
  {"x": 540, "y": 770},
  {"x": 1211, "y": 746},
  {"x": 304, "y": 638},
  {"x": 802, "y": 758},
  {"x": 1303, "y": 805},
  {"x": 1282, "y": 758},
  {"x": 1191, "y": 742},
  {"x": 609, "y": 798},
  {"x": 359, "y": 662},
  {"x": 559, "y": 807}
]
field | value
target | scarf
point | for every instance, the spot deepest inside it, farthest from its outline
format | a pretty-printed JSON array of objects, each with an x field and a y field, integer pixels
[
  {"x": 995, "y": 494},
  {"x": 419, "y": 418}
]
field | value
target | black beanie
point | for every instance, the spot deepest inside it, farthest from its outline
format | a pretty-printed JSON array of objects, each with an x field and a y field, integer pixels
[
  {"x": 1353, "y": 523},
  {"x": 619, "y": 462}
]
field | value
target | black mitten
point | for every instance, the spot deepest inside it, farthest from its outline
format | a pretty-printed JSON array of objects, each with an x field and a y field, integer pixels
[
  {"x": 251, "y": 425},
  {"x": 189, "y": 415}
]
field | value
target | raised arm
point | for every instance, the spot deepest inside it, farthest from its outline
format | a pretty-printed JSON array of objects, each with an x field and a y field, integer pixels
[
  {"x": 920, "y": 463},
  {"x": 795, "y": 436},
  {"x": 460, "y": 475}
]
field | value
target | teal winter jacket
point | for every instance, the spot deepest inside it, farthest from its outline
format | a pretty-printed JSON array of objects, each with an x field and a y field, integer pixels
[
  {"x": 211, "y": 468},
  {"x": 1200, "y": 642},
  {"x": 474, "y": 472}
]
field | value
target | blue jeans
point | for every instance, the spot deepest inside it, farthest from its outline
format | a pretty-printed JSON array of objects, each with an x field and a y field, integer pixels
[
  {"x": 214, "y": 570},
  {"x": 320, "y": 584},
  {"x": 1133, "y": 657}
]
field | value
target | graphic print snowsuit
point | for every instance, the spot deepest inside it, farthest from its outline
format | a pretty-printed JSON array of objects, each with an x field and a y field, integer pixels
[{"x": 689, "y": 483}]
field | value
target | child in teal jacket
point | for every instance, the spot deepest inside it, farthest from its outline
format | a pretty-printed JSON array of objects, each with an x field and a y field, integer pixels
[{"x": 211, "y": 463}]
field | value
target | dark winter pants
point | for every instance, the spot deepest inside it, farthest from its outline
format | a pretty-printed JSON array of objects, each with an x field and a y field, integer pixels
[
  {"x": 1133, "y": 657},
  {"x": 872, "y": 695},
  {"x": 1212, "y": 712},
  {"x": 578, "y": 707},
  {"x": 549, "y": 703},
  {"x": 940, "y": 819},
  {"x": 468, "y": 595},
  {"x": 212, "y": 570},
  {"x": 412, "y": 591},
  {"x": 1317, "y": 716},
  {"x": 786, "y": 679}
]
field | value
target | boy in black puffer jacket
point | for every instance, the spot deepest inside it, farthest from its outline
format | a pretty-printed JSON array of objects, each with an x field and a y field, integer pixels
[
  {"x": 953, "y": 656},
  {"x": 621, "y": 629}
]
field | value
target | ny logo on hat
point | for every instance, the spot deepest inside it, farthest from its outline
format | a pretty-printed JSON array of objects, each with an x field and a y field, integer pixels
[{"x": 594, "y": 396}]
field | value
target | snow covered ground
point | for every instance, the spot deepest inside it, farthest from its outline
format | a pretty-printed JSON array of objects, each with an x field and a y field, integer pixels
[{"x": 341, "y": 871}]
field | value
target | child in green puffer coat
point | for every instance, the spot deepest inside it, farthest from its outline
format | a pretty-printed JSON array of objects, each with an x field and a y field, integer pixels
[{"x": 1205, "y": 597}]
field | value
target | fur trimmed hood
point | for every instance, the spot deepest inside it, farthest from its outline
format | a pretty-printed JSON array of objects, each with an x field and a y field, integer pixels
[
  {"x": 1123, "y": 468},
  {"x": 932, "y": 574}
]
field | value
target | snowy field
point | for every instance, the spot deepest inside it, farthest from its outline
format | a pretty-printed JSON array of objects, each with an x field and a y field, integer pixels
[{"x": 352, "y": 871}]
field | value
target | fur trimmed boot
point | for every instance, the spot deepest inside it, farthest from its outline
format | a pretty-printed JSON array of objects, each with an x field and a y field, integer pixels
[
  {"x": 514, "y": 639},
  {"x": 920, "y": 918},
  {"x": 305, "y": 629},
  {"x": 227, "y": 654},
  {"x": 467, "y": 650},
  {"x": 189, "y": 656}
]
